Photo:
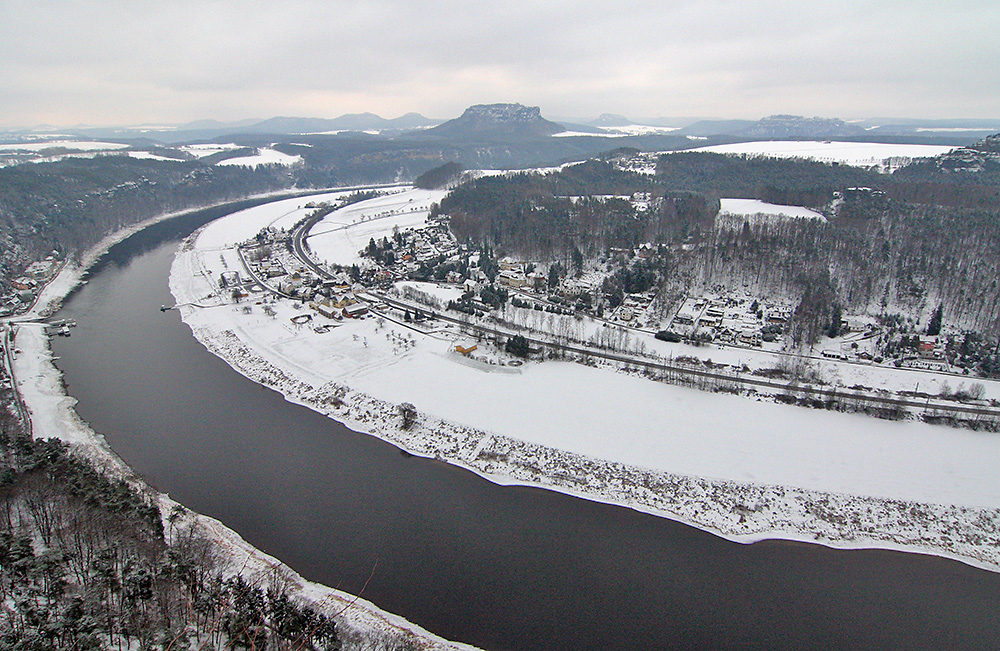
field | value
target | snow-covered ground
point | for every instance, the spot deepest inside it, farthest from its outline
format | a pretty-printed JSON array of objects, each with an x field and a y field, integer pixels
[
  {"x": 207, "y": 149},
  {"x": 79, "y": 145},
  {"x": 566, "y": 425},
  {"x": 639, "y": 130},
  {"x": 339, "y": 236},
  {"x": 851, "y": 153},
  {"x": 53, "y": 416},
  {"x": 245, "y": 224},
  {"x": 148, "y": 155},
  {"x": 754, "y": 208},
  {"x": 662, "y": 427},
  {"x": 264, "y": 156},
  {"x": 619, "y": 132}
]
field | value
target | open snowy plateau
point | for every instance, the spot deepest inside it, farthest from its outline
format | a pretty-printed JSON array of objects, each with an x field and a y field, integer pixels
[
  {"x": 744, "y": 469},
  {"x": 849, "y": 153}
]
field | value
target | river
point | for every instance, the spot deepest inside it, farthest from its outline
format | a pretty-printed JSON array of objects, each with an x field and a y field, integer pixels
[{"x": 498, "y": 567}]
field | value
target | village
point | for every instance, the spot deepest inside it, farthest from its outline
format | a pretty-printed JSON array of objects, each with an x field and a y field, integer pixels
[
  {"x": 24, "y": 288},
  {"x": 414, "y": 277}
]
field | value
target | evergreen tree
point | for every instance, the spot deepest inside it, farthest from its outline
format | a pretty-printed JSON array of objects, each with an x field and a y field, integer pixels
[
  {"x": 517, "y": 345},
  {"x": 934, "y": 325}
]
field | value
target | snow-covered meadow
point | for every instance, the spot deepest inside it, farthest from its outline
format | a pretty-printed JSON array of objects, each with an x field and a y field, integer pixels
[
  {"x": 754, "y": 209},
  {"x": 339, "y": 236},
  {"x": 264, "y": 156},
  {"x": 625, "y": 131},
  {"x": 244, "y": 224},
  {"x": 76, "y": 145},
  {"x": 148, "y": 155},
  {"x": 208, "y": 149},
  {"x": 850, "y": 153}
]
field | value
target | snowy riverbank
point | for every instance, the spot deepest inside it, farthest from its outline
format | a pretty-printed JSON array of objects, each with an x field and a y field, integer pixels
[
  {"x": 742, "y": 469},
  {"x": 361, "y": 624}
]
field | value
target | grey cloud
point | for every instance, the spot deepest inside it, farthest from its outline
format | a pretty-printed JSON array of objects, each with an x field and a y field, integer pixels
[{"x": 141, "y": 60}]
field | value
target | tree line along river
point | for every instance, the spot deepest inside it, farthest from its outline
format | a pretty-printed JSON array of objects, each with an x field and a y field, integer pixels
[{"x": 497, "y": 567}]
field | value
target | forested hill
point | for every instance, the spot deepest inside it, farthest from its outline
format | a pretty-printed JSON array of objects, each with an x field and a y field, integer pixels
[
  {"x": 72, "y": 204},
  {"x": 777, "y": 180},
  {"x": 904, "y": 244},
  {"x": 967, "y": 177}
]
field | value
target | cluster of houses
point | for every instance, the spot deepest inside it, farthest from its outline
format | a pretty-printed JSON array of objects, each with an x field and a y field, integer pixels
[
  {"x": 632, "y": 308},
  {"x": 431, "y": 242},
  {"x": 332, "y": 298},
  {"x": 409, "y": 249},
  {"x": 930, "y": 354},
  {"x": 512, "y": 274},
  {"x": 729, "y": 319},
  {"x": 337, "y": 301},
  {"x": 25, "y": 287}
]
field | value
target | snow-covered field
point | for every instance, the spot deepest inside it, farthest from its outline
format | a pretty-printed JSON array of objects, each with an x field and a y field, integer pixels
[
  {"x": 148, "y": 155},
  {"x": 79, "y": 145},
  {"x": 851, "y": 153},
  {"x": 245, "y": 224},
  {"x": 639, "y": 130},
  {"x": 619, "y": 132},
  {"x": 662, "y": 427},
  {"x": 544, "y": 423},
  {"x": 753, "y": 208},
  {"x": 264, "y": 156},
  {"x": 203, "y": 150},
  {"x": 339, "y": 236}
]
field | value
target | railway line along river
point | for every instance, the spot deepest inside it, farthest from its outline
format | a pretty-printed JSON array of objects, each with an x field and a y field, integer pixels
[{"x": 494, "y": 566}]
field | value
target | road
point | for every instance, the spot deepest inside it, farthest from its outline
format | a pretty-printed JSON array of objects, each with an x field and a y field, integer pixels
[{"x": 8, "y": 351}]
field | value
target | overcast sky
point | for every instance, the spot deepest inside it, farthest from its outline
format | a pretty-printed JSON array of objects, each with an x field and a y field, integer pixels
[{"x": 113, "y": 62}]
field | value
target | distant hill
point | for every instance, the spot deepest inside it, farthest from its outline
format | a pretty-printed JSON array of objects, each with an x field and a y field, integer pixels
[
  {"x": 705, "y": 128},
  {"x": 496, "y": 122},
  {"x": 777, "y": 127},
  {"x": 198, "y": 125},
  {"x": 796, "y": 126},
  {"x": 611, "y": 120},
  {"x": 348, "y": 122}
]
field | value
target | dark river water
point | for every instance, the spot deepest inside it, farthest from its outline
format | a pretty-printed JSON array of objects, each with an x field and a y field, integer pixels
[{"x": 501, "y": 568}]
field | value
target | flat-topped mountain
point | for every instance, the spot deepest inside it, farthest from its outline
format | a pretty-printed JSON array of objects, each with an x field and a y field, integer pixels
[
  {"x": 505, "y": 122},
  {"x": 611, "y": 120},
  {"x": 796, "y": 126}
]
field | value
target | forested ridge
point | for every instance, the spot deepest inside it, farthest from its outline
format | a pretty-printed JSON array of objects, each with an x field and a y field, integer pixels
[
  {"x": 583, "y": 207},
  {"x": 905, "y": 243},
  {"x": 72, "y": 204}
]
